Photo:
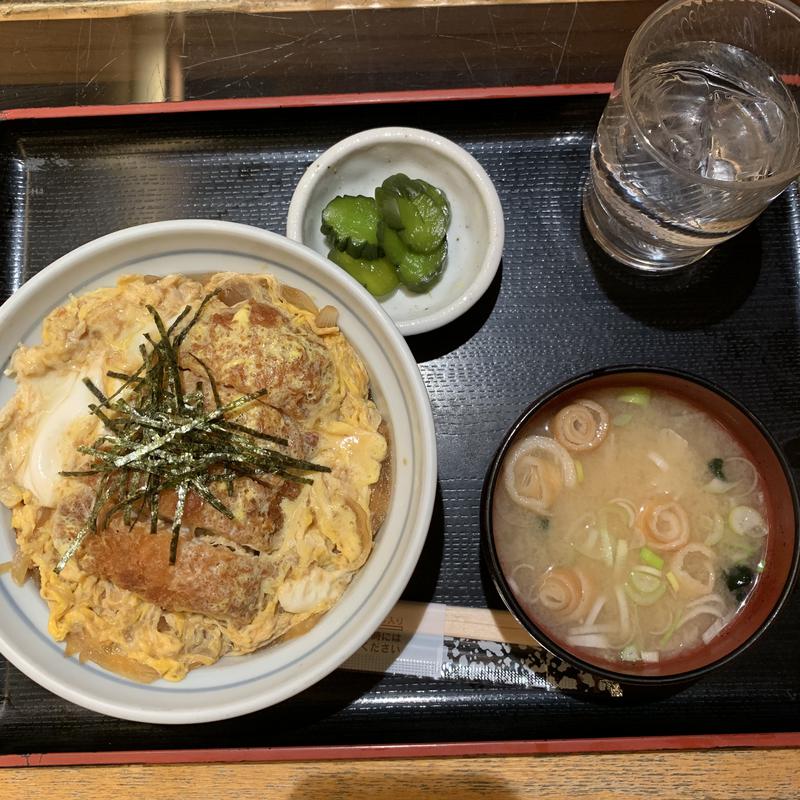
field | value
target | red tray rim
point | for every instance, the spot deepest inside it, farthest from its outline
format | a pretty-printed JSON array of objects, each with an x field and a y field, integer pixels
[
  {"x": 397, "y": 751},
  {"x": 308, "y": 101}
]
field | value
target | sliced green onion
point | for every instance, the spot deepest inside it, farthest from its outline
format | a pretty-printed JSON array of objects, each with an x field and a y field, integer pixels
[
  {"x": 621, "y": 420},
  {"x": 644, "y": 582},
  {"x": 715, "y": 534},
  {"x": 652, "y": 559},
  {"x": 622, "y": 554},
  {"x": 717, "y": 486},
  {"x": 629, "y": 653},
  {"x": 746, "y": 521},
  {"x": 645, "y": 598},
  {"x": 606, "y": 549},
  {"x": 673, "y": 581},
  {"x": 638, "y": 396}
]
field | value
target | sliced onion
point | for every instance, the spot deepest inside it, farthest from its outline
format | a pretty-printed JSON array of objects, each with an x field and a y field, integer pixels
[
  {"x": 580, "y": 426},
  {"x": 594, "y": 611},
  {"x": 718, "y": 486},
  {"x": 297, "y": 297},
  {"x": 715, "y": 627},
  {"x": 328, "y": 317},
  {"x": 514, "y": 580},
  {"x": 622, "y": 554},
  {"x": 623, "y": 611},
  {"x": 706, "y": 599},
  {"x": 628, "y": 507},
  {"x": 20, "y": 566},
  {"x": 658, "y": 460},
  {"x": 527, "y": 478},
  {"x": 650, "y": 656},
  {"x": 660, "y": 630},
  {"x": 698, "y": 612},
  {"x": 753, "y": 482},
  {"x": 579, "y": 630},
  {"x": 595, "y": 641},
  {"x": 671, "y": 437}
]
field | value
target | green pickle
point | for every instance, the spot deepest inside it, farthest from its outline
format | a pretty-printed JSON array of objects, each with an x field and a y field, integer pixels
[
  {"x": 399, "y": 236},
  {"x": 350, "y": 224},
  {"x": 377, "y": 275},
  {"x": 417, "y": 210},
  {"x": 417, "y": 271}
]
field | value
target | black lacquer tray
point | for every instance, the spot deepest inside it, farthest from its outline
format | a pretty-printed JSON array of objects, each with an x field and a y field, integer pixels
[{"x": 556, "y": 308}]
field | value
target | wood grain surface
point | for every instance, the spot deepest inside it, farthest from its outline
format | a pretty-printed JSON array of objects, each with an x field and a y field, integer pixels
[{"x": 690, "y": 775}]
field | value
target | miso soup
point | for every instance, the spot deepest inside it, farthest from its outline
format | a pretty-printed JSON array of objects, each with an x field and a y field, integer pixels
[{"x": 630, "y": 524}]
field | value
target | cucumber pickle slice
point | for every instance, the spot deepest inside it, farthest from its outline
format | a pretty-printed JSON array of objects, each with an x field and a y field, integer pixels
[
  {"x": 416, "y": 209},
  {"x": 350, "y": 224},
  {"x": 417, "y": 271},
  {"x": 407, "y": 220},
  {"x": 377, "y": 275}
]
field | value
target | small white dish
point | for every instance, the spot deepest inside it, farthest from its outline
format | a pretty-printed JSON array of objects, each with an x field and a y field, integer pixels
[
  {"x": 361, "y": 162},
  {"x": 234, "y": 685}
]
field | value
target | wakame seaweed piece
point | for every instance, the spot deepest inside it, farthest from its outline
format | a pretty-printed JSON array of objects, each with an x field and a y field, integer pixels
[
  {"x": 715, "y": 467},
  {"x": 738, "y": 579}
]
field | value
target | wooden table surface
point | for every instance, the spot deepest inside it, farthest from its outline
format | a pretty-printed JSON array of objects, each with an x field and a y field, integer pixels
[{"x": 689, "y": 775}]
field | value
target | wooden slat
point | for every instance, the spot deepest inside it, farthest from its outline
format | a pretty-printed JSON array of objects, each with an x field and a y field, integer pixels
[
  {"x": 484, "y": 624},
  {"x": 688, "y": 775}
]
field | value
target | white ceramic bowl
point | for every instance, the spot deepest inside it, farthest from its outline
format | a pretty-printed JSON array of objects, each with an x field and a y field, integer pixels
[
  {"x": 358, "y": 164},
  {"x": 235, "y": 685}
]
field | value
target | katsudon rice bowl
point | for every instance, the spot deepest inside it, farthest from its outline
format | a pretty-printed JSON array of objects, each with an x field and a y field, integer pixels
[{"x": 202, "y": 470}]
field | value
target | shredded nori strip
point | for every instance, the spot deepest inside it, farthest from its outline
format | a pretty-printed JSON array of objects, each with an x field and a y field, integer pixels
[{"x": 161, "y": 437}]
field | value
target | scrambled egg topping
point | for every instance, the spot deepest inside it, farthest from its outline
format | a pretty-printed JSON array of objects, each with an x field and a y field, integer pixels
[{"x": 325, "y": 532}]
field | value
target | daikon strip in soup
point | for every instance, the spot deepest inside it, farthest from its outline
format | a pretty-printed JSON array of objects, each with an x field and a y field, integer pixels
[{"x": 630, "y": 524}]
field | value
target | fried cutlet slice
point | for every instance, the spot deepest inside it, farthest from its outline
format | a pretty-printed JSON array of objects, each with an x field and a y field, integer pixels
[
  {"x": 253, "y": 346},
  {"x": 255, "y": 504},
  {"x": 207, "y": 578}
]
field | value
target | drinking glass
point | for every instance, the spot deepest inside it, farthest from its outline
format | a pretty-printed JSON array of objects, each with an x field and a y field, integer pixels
[{"x": 701, "y": 132}]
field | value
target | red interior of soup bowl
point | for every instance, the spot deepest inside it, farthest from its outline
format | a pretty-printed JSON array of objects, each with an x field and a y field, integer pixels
[{"x": 781, "y": 560}]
